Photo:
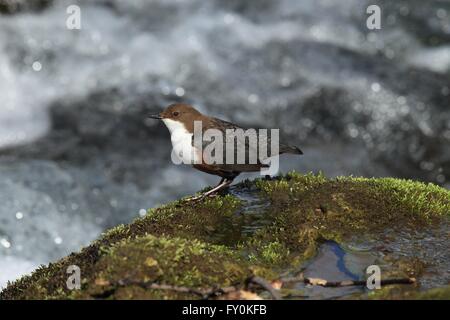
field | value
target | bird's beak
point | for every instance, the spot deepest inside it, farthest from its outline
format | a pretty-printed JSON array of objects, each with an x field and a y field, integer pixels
[{"x": 155, "y": 116}]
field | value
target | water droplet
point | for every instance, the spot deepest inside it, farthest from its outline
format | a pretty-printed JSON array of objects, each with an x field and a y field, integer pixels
[
  {"x": 375, "y": 87},
  {"x": 353, "y": 131},
  {"x": 37, "y": 66},
  {"x": 285, "y": 81},
  {"x": 253, "y": 98},
  {"x": 165, "y": 90},
  {"x": 401, "y": 100},
  {"x": 179, "y": 91},
  {"x": 5, "y": 243},
  {"x": 404, "y": 11},
  {"x": 142, "y": 212},
  {"x": 441, "y": 13},
  {"x": 426, "y": 165},
  {"x": 228, "y": 18},
  {"x": 113, "y": 203},
  {"x": 390, "y": 54}
]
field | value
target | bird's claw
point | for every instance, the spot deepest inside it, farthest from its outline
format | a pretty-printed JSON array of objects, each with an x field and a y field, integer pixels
[{"x": 201, "y": 197}]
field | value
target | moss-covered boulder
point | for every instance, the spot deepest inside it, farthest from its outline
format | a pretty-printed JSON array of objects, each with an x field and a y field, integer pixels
[{"x": 271, "y": 228}]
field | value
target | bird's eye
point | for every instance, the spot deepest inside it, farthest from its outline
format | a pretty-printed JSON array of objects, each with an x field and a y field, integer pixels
[{"x": 176, "y": 113}]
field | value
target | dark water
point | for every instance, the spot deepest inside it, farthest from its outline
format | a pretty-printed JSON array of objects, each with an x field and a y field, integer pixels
[
  {"x": 333, "y": 263},
  {"x": 78, "y": 156},
  {"x": 350, "y": 259}
]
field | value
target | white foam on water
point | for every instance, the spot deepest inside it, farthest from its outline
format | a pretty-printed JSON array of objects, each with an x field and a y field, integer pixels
[
  {"x": 12, "y": 268},
  {"x": 22, "y": 114},
  {"x": 41, "y": 61},
  {"x": 434, "y": 59}
]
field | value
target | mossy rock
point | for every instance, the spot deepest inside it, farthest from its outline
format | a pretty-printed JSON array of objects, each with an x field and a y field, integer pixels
[{"x": 210, "y": 244}]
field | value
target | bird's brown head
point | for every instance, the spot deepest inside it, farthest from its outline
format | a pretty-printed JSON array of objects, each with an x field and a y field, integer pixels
[{"x": 180, "y": 112}]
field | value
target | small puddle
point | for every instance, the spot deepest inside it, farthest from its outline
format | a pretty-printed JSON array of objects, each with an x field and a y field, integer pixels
[
  {"x": 246, "y": 221},
  {"x": 349, "y": 261},
  {"x": 334, "y": 263},
  {"x": 429, "y": 244},
  {"x": 253, "y": 212}
]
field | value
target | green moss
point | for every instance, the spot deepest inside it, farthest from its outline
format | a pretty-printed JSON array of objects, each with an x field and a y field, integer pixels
[
  {"x": 268, "y": 253},
  {"x": 434, "y": 294},
  {"x": 409, "y": 293},
  {"x": 419, "y": 198},
  {"x": 348, "y": 205},
  {"x": 286, "y": 188},
  {"x": 163, "y": 260},
  {"x": 207, "y": 243}
]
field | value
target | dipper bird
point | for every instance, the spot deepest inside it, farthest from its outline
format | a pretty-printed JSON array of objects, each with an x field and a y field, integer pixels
[{"x": 180, "y": 119}]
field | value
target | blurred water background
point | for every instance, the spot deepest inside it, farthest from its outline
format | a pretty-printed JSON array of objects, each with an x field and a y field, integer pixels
[{"x": 77, "y": 154}]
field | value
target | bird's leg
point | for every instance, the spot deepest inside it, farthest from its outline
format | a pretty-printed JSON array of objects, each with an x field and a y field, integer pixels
[{"x": 222, "y": 184}]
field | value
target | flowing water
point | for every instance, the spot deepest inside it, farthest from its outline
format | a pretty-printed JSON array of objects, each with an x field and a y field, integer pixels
[{"x": 78, "y": 156}]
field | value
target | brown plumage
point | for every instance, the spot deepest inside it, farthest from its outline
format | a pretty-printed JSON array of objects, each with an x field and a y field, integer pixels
[{"x": 181, "y": 116}]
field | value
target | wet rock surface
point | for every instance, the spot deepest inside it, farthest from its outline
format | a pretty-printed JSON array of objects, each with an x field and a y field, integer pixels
[{"x": 271, "y": 228}]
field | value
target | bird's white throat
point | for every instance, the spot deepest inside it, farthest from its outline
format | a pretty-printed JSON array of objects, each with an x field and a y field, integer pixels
[
  {"x": 175, "y": 126},
  {"x": 181, "y": 141}
]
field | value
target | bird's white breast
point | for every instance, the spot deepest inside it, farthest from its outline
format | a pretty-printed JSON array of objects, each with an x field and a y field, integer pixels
[{"x": 182, "y": 142}]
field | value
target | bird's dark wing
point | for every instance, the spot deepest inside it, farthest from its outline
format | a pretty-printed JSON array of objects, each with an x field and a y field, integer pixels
[
  {"x": 244, "y": 151},
  {"x": 265, "y": 139},
  {"x": 245, "y": 144}
]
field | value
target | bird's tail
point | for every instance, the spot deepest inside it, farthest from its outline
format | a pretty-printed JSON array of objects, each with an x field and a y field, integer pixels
[{"x": 290, "y": 149}]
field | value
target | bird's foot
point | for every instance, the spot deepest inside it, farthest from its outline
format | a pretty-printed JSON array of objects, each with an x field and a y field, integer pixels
[
  {"x": 201, "y": 197},
  {"x": 223, "y": 184}
]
